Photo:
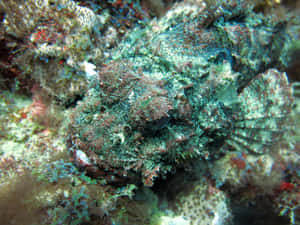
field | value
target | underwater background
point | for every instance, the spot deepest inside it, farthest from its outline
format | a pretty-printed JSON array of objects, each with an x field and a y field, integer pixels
[{"x": 141, "y": 112}]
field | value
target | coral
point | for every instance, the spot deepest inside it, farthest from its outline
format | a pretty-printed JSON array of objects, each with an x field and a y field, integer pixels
[
  {"x": 271, "y": 178},
  {"x": 239, "y": 170},
  {"x": 35, "y": 11},
  {"x": 58, "y": 41},
  {"x": 204, "y": 204},
  {"x": 287, "y": 196},
  {"x": 288, "y": 202},
  {"x": 25, "y": 144},
  {"x": 19, "y": 20},
  {"x": 37, "y": 181}
]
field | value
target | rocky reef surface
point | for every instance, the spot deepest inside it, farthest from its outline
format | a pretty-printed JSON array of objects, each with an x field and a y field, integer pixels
[{"x": 149, "y": 112}]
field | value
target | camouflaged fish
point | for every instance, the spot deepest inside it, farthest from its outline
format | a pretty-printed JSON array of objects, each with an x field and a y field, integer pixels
[{"x": 191, "y": 86}]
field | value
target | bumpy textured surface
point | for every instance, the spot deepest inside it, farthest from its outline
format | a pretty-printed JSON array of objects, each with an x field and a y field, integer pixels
[
  {"x": 56, "y": 43},
  {"x": 193, "y": 85},
  {"x": 204, "y": 205}
]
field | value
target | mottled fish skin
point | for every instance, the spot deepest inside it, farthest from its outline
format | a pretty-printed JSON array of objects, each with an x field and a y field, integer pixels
[{"x": 185, "y": 88}]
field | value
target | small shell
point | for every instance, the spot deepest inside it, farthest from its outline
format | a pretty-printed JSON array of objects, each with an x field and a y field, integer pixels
[{"x": 82, "y": 159}]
